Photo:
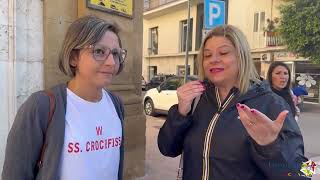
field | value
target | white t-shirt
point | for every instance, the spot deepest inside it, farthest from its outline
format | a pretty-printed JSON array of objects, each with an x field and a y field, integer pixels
[{"x": 93, "y": 136}]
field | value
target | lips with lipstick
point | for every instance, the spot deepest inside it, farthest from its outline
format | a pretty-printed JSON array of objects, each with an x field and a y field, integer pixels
[{"x": 216, "y": 70}]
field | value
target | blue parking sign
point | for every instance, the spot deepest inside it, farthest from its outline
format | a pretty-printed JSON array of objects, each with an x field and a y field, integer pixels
[{"x": 214, "y": 13}]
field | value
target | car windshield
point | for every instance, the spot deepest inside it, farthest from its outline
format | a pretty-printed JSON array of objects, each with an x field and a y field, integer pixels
[{"x": 174, "y": 82}]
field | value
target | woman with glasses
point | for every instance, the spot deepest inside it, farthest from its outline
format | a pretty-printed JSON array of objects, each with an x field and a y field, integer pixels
[{"x": 80, "y": 136}]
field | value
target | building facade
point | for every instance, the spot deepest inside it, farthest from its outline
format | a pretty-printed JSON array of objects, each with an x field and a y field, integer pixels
[
  {"x": 31, "y": 34},
  {"x": 255, "y": 19},
  {"x": 163, "y": 42},
  {"x": 165, "y": 33}
]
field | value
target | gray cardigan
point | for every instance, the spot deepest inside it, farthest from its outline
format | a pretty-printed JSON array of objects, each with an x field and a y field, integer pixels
[{"x": 26, "y": 137}]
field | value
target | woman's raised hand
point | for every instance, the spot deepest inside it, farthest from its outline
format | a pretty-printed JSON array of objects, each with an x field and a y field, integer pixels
[
  {"x": 187, "y": 93},
  {"x": 262, "y": 129}
]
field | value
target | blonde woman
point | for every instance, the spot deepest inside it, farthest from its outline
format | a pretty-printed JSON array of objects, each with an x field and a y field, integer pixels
[
  {"x": 239, "y": 128},
  {"x": 84, "y": 137}
]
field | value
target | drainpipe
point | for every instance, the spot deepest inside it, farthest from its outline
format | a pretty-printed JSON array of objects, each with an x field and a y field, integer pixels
[{"x": 187, "y": 43}]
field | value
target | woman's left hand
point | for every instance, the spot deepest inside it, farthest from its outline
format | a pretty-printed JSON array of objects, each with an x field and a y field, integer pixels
[{"x": 262, "y": 129}]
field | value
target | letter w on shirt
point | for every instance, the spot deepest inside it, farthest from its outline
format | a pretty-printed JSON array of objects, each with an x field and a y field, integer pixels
[{"x": 99, "y": 130}]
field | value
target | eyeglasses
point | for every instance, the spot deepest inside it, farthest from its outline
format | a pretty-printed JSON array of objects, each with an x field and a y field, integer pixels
[{"x": 101, "y": 53}]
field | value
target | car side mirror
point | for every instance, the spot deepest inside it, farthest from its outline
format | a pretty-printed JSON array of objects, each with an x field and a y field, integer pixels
[{"x": 159, "y": 89}]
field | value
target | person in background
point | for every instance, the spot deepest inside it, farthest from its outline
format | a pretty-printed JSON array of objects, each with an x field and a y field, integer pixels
[
  {"x": 239, "y": 129},
  {"x": 279, "y": 77},
  {"x": 84, "y": 139}
]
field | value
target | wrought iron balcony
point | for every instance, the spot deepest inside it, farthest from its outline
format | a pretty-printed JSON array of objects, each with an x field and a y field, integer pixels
[{"x": 273, "y": 39}]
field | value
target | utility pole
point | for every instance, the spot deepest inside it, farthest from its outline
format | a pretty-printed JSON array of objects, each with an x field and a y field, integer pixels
[{"x": 187, "y": 43}]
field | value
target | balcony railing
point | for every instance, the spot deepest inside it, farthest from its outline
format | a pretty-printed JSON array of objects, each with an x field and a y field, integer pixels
[
  {"x": 273, "y": 39},
  {"x": 152, "y": 4}
]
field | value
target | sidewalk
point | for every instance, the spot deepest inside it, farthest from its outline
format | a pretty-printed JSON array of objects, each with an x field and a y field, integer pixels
[
  {"x": 310, "y": 125},
  {"x": 157, "y": 166}
]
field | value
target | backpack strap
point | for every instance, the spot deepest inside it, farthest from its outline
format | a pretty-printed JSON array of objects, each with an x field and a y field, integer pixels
[
  {"x": 52, "y": 104},
  {"x": 120, "y": 111},
  {"x": 118, "y": 105}
]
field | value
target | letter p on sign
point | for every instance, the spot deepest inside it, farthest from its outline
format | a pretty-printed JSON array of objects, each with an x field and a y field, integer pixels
[{"x": 214, "y": 13}]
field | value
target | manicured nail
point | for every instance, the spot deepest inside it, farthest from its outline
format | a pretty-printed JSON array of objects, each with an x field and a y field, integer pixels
[
  {"x": 253, "y": 111},
  {"x": 242, "y": 106},
  {"x": 238, "y": 104}
]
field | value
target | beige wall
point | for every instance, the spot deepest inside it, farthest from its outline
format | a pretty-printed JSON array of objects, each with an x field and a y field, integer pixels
[
  {"x": 58, "y": 16},
  {"x": 241, "y": 14},
  {"x": 168, "y": 41},
  {"x": 168, "y": 31},
  {"x": 168, "y": 65}
]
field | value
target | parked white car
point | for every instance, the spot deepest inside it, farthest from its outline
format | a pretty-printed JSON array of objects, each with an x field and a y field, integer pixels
[{"x": 159, "y": 100}]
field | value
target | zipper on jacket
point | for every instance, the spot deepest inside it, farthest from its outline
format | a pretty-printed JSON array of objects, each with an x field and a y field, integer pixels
[{"x": 210, "y": 129}]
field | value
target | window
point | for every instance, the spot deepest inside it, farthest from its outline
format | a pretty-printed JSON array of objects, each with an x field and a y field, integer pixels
[
  {"x": 152, "y": 71},
  {"x": 181, "y": 70},
  {"x": 262, "y": 20},
  {"x": 183, "y": 35},
  {"x": 162, "y": 2},
  {"x": 153, "y": 44},
  {"x": 259, "y": 21},
  {"x": 255, "y": 24},
  {"x": 146, "y": 4}
]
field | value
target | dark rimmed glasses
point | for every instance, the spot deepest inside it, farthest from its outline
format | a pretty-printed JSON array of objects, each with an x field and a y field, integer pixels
[{"x": 101, "y": 53}]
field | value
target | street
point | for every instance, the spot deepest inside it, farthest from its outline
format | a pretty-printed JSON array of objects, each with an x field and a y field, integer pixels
[
  {"x": 159, "y": 167},
  {"x": 309, "y": 124}
]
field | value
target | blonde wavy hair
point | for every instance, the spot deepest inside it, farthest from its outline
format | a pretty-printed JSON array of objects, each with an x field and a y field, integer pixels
[{"x": 247, "y": 70}]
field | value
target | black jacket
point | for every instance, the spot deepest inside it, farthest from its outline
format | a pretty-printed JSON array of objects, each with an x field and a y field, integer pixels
[{"x": 229, "y": 152}]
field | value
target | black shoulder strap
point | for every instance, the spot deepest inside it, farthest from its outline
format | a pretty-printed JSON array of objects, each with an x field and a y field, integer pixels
[{"x": 117, "y": 102}]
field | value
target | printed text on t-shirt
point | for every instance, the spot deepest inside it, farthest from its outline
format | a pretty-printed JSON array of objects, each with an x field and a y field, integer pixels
[{"x": 98, "y": 144}]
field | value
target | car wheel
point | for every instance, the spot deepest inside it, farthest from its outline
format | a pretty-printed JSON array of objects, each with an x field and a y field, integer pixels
[{"x": 149, "y": 108}]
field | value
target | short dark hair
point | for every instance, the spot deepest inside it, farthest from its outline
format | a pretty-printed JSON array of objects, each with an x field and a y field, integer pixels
[{"x": 84, "y": 31}]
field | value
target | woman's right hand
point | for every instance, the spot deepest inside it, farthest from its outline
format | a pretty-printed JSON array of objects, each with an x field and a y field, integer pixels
[{"x": 186, "y": 94}]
